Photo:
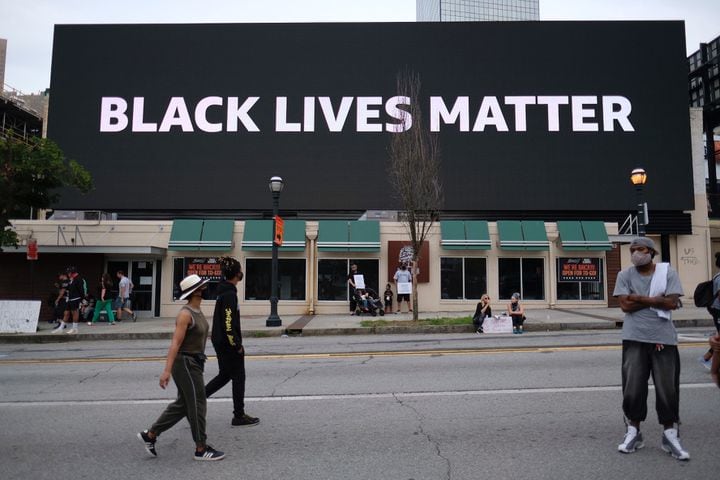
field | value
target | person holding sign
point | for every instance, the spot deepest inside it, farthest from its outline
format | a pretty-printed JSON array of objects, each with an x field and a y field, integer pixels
[
  {"x": 351, "y": 280},
  {"x": 403, "y": 283}
]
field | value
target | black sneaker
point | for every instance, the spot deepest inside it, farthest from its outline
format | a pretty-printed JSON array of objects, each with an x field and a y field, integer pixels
[
  {"x": 209, "y": 454},
  {"x": 149, "y": 442},
  {"x": 244, "y": 421}
]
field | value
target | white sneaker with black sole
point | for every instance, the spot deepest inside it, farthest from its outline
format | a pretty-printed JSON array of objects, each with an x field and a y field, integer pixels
[
  {"x": 671, "y": 444},
  {"x": 632, "y": 442}
]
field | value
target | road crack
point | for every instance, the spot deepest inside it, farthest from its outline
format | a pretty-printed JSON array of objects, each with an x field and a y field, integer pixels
[
  {"x": 302, "y": 370},
  {"x": 432, "y": 441}
]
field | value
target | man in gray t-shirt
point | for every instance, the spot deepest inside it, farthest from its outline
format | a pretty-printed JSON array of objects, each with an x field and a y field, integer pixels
[{"x": 650, "y": 346}]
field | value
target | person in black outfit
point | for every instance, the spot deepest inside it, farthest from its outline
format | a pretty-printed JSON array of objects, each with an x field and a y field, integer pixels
[
  {"x": 482, "y": 311},
  {"x": 351, "y": 281},
  {"x": 227, "y": 341}
]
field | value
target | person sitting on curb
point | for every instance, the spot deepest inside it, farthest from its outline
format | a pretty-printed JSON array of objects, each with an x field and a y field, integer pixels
[
  {"x": 517, "y": 312},
  {"x": 482, "y": 311}
]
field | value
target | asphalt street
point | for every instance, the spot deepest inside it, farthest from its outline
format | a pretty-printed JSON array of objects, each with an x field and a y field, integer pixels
[{"x": 381, "y": 407}]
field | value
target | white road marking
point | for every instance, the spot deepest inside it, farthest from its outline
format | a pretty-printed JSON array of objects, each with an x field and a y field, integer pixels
[{"x": 349, "y": 396}]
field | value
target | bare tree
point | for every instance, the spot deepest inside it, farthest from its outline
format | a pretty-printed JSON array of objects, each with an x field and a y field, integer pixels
[{"x": 414, "y": 170}]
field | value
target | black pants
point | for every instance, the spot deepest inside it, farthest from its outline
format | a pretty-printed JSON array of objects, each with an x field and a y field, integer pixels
[
  {"x": 232, "y": 368},
  {"x": 716, "y": 317},
  {"x": 639, "y": 361}
]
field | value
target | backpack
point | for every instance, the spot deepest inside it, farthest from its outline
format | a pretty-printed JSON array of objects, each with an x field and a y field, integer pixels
[{"x": 703, "y": 296}]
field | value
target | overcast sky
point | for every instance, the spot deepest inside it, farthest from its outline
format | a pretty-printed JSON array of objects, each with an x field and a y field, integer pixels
[{"x": 28, "y": 26}]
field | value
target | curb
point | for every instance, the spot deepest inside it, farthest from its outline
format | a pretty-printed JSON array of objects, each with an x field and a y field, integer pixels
[{"x": 276, "y": 332}]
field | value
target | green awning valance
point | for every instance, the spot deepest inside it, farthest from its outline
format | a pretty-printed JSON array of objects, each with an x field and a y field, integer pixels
[
  {"x": 465, "y": 235},
  {"x": 258, "y": 236},
  {"x": 196, "y": 234},
  {"x": 523, "y": 235},
  {"x": 344, "y": 236},
  {"x": 583, "y": 235}
]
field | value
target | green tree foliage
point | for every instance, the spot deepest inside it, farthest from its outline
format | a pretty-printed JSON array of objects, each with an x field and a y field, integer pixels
[{"x": 30, "y": 176}]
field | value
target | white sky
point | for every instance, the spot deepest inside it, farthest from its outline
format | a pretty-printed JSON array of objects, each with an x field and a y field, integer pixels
[{"x": 28, "y": 25}]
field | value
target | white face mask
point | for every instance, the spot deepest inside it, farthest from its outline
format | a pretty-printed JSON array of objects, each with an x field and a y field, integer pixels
[{"x": 639, "y": 259}]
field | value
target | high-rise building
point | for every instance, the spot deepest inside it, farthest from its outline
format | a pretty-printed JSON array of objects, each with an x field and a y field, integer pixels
[{"x": 476, "y": 10}]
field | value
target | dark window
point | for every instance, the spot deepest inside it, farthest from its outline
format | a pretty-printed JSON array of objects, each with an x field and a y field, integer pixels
[
  {"x": 523, "y": 275},
  {"x": 333, "y": 273},
  {"x": 291, "y": 278},
  {"x": 582, "y": 290},
  {"x": 462, "y": 278},
  {"x": 205, "y": 267}
]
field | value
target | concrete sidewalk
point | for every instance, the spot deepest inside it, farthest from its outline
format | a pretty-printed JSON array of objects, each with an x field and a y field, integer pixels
[{"x": 254, "y": 326}]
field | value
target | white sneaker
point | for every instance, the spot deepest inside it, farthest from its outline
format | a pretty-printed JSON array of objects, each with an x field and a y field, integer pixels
[
  {"x": 632, "y": 442},
  {"x": 671, "y": 444},
  {"x": 72, "y": 331},
  {"x": 89, "y": 324},
  {"x": 58, "y": 329}
]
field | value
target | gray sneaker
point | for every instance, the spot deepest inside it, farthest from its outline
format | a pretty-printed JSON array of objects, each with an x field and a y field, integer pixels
[
  {"x": 671, "y": 444},
  {"x": 632, "y": 442}
]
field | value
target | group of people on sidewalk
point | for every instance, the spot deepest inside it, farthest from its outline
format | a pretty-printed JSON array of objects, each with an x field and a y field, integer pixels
[
  {"x": 185, "y": 362},
  {"x": 514, "y": 309},
  {"x": 74, "y": 300}
]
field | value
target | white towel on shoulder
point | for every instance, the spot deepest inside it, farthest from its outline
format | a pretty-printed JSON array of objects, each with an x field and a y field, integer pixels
[{"x": 658, "y": 285}]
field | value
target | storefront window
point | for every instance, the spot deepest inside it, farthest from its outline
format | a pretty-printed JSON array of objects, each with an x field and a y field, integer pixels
[
  {"x": 204, "y": 267},
  {"x": 291, "y": 276},
  {"x": 523, "y": 275},
  {"x": 333, "y": 273},
  {"x": 462, "y": 278},
  {"x": 580, "y": 279}
]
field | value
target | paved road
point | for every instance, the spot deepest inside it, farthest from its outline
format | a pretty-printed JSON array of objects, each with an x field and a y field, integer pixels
[{"x": 398, "y": 407}]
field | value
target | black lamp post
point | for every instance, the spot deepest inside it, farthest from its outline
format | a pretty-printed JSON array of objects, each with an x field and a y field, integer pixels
[
  {"x": 276, "y": 186},
  {"x": 638, "y": 177}
]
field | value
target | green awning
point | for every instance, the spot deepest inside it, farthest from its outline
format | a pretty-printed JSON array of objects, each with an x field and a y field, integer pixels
[
  {"x": 523, "y": 235},
  {"x": 465, "y": 235},
  {"x": 206, "y": 235},
  {"x": 258, "y": 236},
  {"x": 596, "y": 235},
  {"x": 344, "y": 236},
  {"x": 583, "y": 235}
]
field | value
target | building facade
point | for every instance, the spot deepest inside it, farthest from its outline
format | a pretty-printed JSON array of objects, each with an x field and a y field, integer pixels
[{"x": 477, "y": 10}]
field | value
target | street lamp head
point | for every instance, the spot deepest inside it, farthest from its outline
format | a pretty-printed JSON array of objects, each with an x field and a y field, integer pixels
[
  {"x": 638, "y": 177},
  {"x": 276, "y": 184}
]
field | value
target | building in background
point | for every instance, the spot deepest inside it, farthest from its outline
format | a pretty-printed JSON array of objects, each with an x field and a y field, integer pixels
[{"x": 477, "y": 10}]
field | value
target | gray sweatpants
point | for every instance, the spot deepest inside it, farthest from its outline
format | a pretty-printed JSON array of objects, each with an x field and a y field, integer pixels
[{"x": 187, "y": 372}]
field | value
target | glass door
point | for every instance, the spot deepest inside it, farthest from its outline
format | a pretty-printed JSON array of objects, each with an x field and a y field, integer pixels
[{"x": 141, "y": 274}]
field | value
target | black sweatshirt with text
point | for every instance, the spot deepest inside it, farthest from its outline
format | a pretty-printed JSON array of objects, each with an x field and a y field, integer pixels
[{"x": 226, "y": 318}]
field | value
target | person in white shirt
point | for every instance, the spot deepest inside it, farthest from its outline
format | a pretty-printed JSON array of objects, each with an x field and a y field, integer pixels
[{"x": 123, "y": 301}]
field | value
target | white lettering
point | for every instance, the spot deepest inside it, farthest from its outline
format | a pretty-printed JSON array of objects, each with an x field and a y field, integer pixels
[
  {"x": 490, "y": 114},
  {"x": 201, "y": 114},
  {"x": 176, "y": 115},
  {"x": 334, "y": 122},
  {"x": 391, "y": 107},
  {"x": 621, "y": 116},
  {"x": 580, "y": 113},
  {"x": 281, "y": 123},
  {"x": 461, "y": 109},
  {"x": 309, "y": 114},
  {"x": 553, "y": 110},
  {"x": 236, "y": 113},
  {"x": 364, "y": 114},
  {"x": 521, "y": 104},
  {"x": 112, "y": 114},
  {"x": 138, "y": 125}
]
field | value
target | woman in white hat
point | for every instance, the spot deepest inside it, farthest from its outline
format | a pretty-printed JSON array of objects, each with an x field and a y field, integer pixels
[{"x": 186, "y": 362}]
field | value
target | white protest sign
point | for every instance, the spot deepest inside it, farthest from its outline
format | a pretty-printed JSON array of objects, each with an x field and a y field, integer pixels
[
  {"x": 19, "y": 316},
  {"x": 359, "y": 281},
  {"x": 499, "y": 324},
  {"x": 404, "y": 288}
]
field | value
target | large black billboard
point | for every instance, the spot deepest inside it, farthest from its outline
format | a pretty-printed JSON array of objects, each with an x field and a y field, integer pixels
[{"x": 529, "y": 115}]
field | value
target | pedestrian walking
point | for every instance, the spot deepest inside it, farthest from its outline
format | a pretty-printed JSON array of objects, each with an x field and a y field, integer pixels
[
  {"x": 103, "y": 301},
  {"x": 714, "y": 310},
  {"x": 125, "y": 287},
  {"x": 715, "y": 367},
  {"x": 517, "y": 312},
  {"x": 648, "y": 292},
  {"x": 76, "y": 292},
  {"x": 60, "y": 302},
  {"x": 185, "y": 363},
  {"x": 227, "y": 341}
]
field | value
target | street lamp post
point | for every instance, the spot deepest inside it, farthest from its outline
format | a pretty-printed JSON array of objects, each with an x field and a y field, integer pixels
[
  {"x": 638, "y": 177},
  {"x": 276, "y": 186}
]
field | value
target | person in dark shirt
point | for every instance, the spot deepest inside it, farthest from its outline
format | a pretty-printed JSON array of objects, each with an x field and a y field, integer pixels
[
  {"x": 226, "y": 338},
  {"x": 388, "y": 298},
  {"x": 351, "y": 281},
  {"x": 482, "y": 311},
  {"x": 76, "y": 292}
]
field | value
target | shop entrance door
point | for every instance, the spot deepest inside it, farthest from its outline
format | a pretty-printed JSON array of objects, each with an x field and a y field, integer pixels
[{"x": 141, "y": 274}]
